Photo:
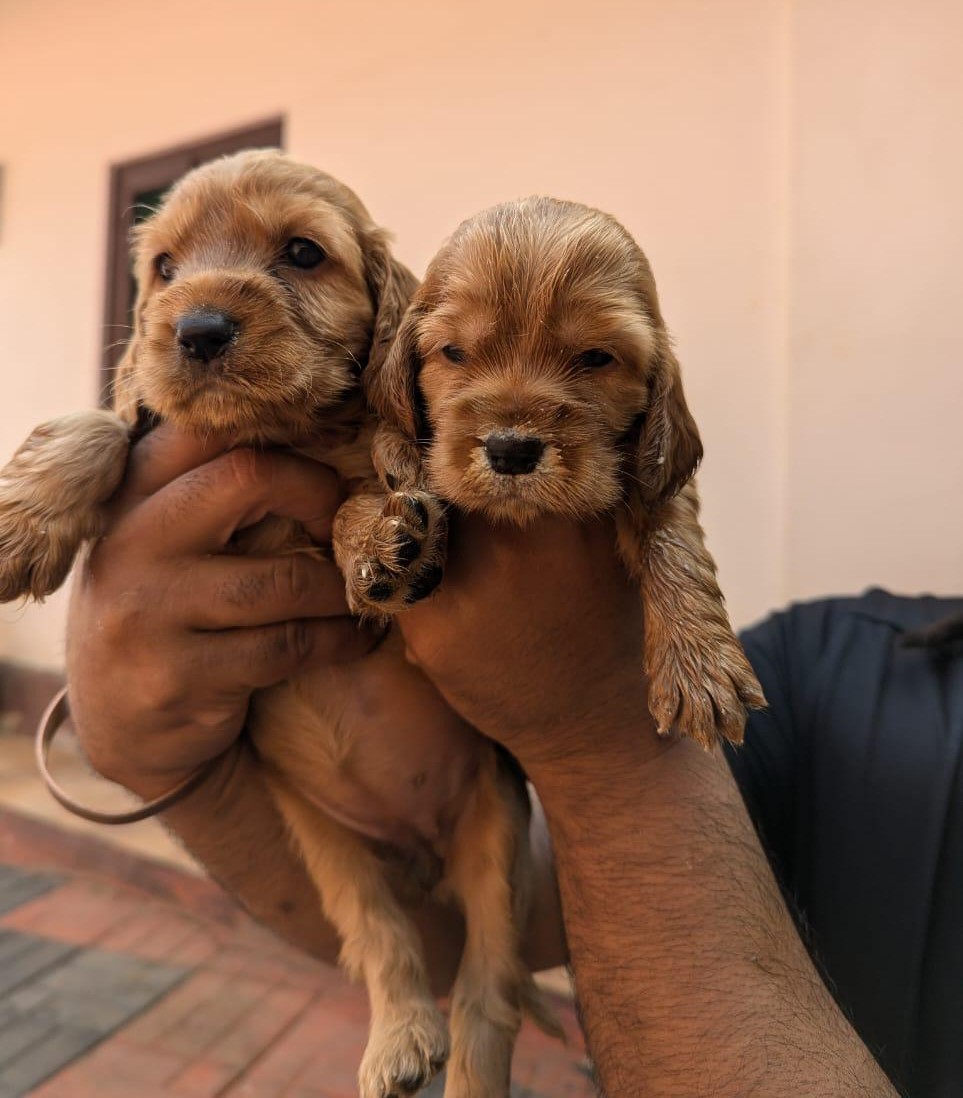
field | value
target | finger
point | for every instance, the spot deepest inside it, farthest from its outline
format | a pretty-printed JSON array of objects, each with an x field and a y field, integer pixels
[
  {"x": 199, "y": 511},
  {"x": 259, "y": 658},
  {"x": 226, "y": 592},
  {"x": 165, "y": 454}
]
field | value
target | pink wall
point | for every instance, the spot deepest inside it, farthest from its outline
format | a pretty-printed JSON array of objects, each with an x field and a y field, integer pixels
[
  {"x": 875, "y": 484},
  {"x": 732, "y": 136}
]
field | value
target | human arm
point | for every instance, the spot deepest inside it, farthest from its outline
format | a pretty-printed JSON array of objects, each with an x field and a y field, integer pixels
[
  {"x": 690, "y": 973},
  {"x": 167, "y": 638}
]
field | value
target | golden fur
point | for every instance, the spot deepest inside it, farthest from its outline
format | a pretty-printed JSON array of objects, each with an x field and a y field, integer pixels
[
  {"x": 298, "y": 340},
  {"x": 538, "y": 326}
]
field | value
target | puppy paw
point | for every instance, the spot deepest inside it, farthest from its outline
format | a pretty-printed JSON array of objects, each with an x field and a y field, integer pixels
[
  {"x": 35, "y": 558},
  {"x": 404, "y": 1053},
  {"x": 50, "y": 496},
  {"x": 400, "y": 561},
  {"x": 703, "y": 693}
]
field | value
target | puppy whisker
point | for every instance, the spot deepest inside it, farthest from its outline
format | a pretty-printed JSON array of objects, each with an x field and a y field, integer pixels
[
  {"x": 143, "y": 208},
  {"x": 116, "y": 343}
]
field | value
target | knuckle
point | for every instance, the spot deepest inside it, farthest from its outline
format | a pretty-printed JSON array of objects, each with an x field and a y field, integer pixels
[
  {"x": 295, "y": 642},
  {"x": 411, "y": 655},
  {"x": 244, "y": 591},
  {"x": 291, "y": 579},
  {"x": 121, "y": 619},
  {"x": 428, "y": 656},
  {"x": 245, "y": 468},
  {"x": 418, "y": 650}
]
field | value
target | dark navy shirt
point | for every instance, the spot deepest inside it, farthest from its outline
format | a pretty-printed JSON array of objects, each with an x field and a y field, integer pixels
[{"x": 854, "y": 779}]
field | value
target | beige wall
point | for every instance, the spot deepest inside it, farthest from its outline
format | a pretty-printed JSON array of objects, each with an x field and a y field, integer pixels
[
  {"x": 875, "y": 478},
  {"x": 789, "y": 168}
]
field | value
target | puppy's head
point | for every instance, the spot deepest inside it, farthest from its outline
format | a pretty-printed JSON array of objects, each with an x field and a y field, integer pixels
[
  {"x": 263, "y": 289},
  {"x": 535, "y": 369}
]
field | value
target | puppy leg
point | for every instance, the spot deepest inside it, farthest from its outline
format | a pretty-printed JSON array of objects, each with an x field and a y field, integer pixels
[
  {"x": 408, "y": 1043},
  {"x": 700, "y": 681},
  {"x": 390, "y": 549},
  {"x": 490, "y": 854},
  {"x": 51, "y": 492}
]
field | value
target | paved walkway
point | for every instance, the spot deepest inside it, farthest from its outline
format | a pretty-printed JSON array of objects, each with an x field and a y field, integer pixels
[{"x": 125, "y": 978}]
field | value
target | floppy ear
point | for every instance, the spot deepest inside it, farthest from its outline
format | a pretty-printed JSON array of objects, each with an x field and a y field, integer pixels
[
  {"x": 391, "y": 378},
  {"x": 669, "y": 447},
  {"x": 391, "y": 285}
]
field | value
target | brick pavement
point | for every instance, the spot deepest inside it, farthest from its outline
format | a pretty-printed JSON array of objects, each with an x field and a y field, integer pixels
[{"x": 241, "y": 1015}]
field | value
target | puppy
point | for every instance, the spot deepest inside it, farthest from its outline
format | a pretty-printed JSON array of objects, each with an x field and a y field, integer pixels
[
  {"x": 264, "y": 292},
  {"x": 533, "y": 374}
]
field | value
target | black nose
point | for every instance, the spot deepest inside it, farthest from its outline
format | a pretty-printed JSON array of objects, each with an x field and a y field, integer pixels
[
  {"x": 511, "y": 453},
  {"x": 205, "y": 334}
]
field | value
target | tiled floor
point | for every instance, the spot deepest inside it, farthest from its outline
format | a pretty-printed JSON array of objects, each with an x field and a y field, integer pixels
[
  {"x": 22, "y": 791},
  {"x": 58, "y": 1000},
  {"x": 247, "y": 1017}
]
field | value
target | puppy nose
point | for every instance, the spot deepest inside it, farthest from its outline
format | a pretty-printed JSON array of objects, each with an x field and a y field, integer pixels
[
  {"x": 511, "y": 453},
  {"x": 204, "y": 335}
]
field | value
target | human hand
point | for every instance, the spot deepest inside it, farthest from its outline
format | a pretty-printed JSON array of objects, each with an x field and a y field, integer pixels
[
  {"x": 535, "y": 637},
  {"x": 167, "y": 636}
]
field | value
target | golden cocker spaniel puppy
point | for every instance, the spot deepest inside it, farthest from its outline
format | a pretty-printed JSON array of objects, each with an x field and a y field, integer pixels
[
  {"x": 264, "y": 292},
  {"x": 533, "y": 374}
]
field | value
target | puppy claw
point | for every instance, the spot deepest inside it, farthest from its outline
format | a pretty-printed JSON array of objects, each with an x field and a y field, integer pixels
[
  {"x": 412, "y": 507},
  {"x": 664, "y": 708},
  {"x": 421, "y": 511},
  {"x": 709, "y": 699},
  {"x": 750, "y": 692}
]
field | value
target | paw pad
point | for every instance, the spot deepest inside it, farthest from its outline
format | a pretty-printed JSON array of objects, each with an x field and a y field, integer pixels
[
  {"x": 401, "y": 562},
  {"x": 408, "y": 550},
  {"x": 424, "y": 583}
]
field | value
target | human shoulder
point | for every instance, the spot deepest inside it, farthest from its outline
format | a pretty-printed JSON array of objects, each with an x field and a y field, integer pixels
[
  {"x": 831, "y": 669},
  {"x": 794, "y": 642}
]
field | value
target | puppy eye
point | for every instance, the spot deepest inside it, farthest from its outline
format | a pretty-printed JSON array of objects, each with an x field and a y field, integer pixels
[
  {"x": 164, "y": 265},
  {"x": 594, "y": 359},
  {"x": 304, "y": 253},
  {"x": 453, "y": 353}
]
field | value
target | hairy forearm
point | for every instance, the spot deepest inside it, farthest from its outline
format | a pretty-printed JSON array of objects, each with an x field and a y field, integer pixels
[{"x": 690, "y": 974}]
